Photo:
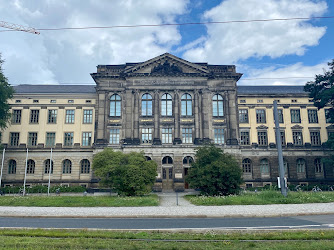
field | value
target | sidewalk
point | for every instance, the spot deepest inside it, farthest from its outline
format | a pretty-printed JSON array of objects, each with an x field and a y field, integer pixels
[{"x": 171, "y": 205}]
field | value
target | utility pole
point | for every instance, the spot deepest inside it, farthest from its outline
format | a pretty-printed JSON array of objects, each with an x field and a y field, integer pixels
[
  {"x": 18, "y": 27},
  {"x": 284, "y": 189}
]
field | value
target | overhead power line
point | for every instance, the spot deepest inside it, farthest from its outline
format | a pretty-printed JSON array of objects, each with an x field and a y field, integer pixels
[{"x": 183, "y": 24}]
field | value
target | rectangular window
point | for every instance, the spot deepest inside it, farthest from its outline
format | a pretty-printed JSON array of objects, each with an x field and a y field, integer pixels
[
  {"x": 88, "y": 116},
  {"x": 262, "y": 138},
  {"x": 50, "y": 139},
  {"x": 68, "y": 139},
  {"x": 16, "y": 116},
  {"x": 34, "y": 116},
  {"x": 114, "y": 136},
  {"x": 52, "y": 116},
  {"x": 146, "y": 135},
  {"x": 244, "y": 138},
  {"x": 295, "y": 115},
  {"x": 243, "y": 115},
  {"x": 315, "y": 138},
  {"x": 312, "y": 115},
  {"x": 260, "y": 116},
  {"x": 187, "y": 135},
  {"x": 282, "y": 133},
  {"x": 69, "y": 116},
  {"x": 166, "y": 135},
  {"x": 297, "y": 137},
  {"x": 86, "y": 138},
  {"x": 219, "y": 135},
  {"x": 32, "y": 139},
  {"x": 280, "y": 116},
  {"x": 328, "y": 119},
  {"x": 14, "y": 139},
  {"x": 53, "y": 101}
]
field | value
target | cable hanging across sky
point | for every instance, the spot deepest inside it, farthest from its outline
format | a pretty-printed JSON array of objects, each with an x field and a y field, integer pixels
[{"x": 180, "y": 24}]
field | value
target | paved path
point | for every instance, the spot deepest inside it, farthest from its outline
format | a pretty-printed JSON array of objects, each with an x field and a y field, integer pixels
[
  {"x": 170, "y": 209},
  {"x": 170, "y": 199}
]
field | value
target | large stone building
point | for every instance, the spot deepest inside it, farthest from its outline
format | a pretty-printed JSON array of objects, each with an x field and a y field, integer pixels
[{"x": 165, "y": 107}]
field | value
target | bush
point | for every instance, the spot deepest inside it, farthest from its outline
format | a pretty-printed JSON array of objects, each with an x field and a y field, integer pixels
[
  {"x": 214, "y": 172},
  {"x": 127, "y": 174},
  {"x": 43, "y": 189}
]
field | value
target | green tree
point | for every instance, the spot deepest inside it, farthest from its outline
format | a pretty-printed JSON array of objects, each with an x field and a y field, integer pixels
[
  {"x": 128, "y": 174},
  {"x": 6, "y": 92},
  {"x": 322, "y": 93},
  {"x": 214, "y": 172}
]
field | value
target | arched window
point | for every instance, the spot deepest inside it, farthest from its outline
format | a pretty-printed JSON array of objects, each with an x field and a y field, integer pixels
[
  {"x": 67, "y": 166},
  {"x": 300, "y": 166},
  {"x": 30, "y": 167},
  {"x": 217, "y": 105},
  {"x": 246, "y": 166},
  {"x": 115, "y": 105},
  {"x": 264, "y": 166},
  {"x": 148, "y": 158},
  {"x": 85, "y": 166},
  {"x": 186, "y": 105},
  {"x": 146, "y": 105},
  {"x": 167, "y": 160},
  {"x": 12, "y": 167},
  {"x": 318, "y": 165},
  {"x": 187, "y": 160},
  {"x": 47, "y": 166},
  {"x": 166, "y": 105}
]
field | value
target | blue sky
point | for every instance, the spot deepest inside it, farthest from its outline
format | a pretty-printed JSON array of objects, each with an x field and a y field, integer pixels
[{"x": 267, "y": 53}]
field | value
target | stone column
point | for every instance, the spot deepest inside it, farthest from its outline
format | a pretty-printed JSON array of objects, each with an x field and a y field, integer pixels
[
  {"x": 196, "y": 112},
  {"x": 176, "y": 103},
  {"x": 156, "y": 103},
  {"x": 232, "y": 115},
  {"x": 206, "y": 114},
  {"x": 136, "y": 98},
  {"x": 127, "y": 115},
  {"x": 102, "y": 114}
]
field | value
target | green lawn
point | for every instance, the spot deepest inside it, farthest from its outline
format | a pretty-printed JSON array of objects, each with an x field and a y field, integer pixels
[
  {"x": 79, "y": 201},
  {"x": 83, "y": 239},
  {"x": 262, "y": 198}
]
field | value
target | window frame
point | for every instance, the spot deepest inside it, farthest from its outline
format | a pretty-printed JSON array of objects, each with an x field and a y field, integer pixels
[
  {"x": 114, "y": 138},
  {"x": 167, "y": 135},
  {"x": 187, "y": 135},
  {"x": 166, "y": 105},
  {"x": 260, "y": 116},
  {"x": 87, "y": 116},
  {"x": 186, "y": 105},
  {"x": 52, "y": 116},
  {"x": 295, "y": 115},
  {"x": 115, "y": 109},
  {"x": 219, "y": 135},
  {"x": 262, "y": 138},
  {"x": 243, "y": 116},
  {"x": 16, "y": 116},
  {"x": 68, "y": 139},
  {"x": 69, "y": 116},
  {"x": 32, "y": 139},
  {"x": 84, "y": 166},
  {"x": 312, "y": 115},
  {"x": 34, "y": 116},
  {"x": 146, "y": 105},
  {"x": 86, "y": 139},
  {"x": 217, "y": 105},
  {"x": 67, "y": 166}
]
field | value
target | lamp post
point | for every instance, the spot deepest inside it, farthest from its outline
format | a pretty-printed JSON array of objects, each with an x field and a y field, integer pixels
[{"x": 284, "y": 189}]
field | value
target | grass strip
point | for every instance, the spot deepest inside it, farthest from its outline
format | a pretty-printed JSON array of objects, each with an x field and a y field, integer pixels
[
  {"x": 81, "y": 239},
  {"x": 210, "y": 235},
  {"x": 75, "y": 201},
  {"x": 262, "y": 198}
]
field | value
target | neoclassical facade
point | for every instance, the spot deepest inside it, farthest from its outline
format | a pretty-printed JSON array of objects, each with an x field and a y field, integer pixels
[{"x": 165, "y": 107}]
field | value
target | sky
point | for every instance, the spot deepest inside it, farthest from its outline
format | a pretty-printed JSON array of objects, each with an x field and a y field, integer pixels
[{"x": 267, "y": 53}]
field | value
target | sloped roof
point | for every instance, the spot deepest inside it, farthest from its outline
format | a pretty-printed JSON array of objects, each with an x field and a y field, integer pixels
[
  {"x": 271, "y": 89},
  {"x": 54, "y": 89}
]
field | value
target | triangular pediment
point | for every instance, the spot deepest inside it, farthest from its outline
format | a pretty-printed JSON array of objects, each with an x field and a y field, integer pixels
[
  {"x": 166, "y": 64},
  {"x": 296, "y": 127}
]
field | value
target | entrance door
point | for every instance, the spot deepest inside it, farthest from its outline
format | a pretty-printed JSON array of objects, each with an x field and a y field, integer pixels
[{"x": 167, "y": 178}]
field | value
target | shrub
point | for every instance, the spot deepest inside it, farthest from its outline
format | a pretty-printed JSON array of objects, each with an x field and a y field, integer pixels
[
  {"x": 214, "y": 172},
  {"x": 128, "y": 174}
]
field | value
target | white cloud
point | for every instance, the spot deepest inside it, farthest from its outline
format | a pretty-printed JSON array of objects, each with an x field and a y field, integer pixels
[
  {"x": 69, "y": 56},
  {"x": 230, "y": 43},
  {"x": 295, "y": 74}
]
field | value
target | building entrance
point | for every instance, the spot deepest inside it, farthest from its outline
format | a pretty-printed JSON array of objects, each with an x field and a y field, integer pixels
[{"x": 167, "y": 178}]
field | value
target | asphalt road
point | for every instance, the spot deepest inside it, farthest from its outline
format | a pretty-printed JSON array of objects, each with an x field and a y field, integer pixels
[{"x": 295, "y": 222}]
